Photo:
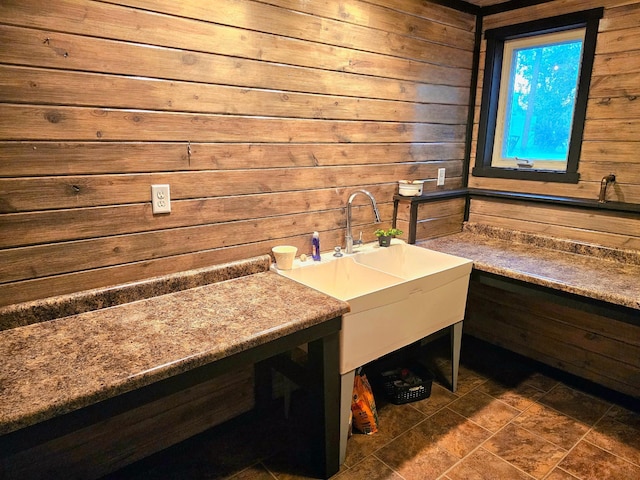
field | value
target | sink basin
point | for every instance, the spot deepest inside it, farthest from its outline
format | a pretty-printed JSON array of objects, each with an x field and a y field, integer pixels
[
  {"x": 398, "y": 295},
  {"x": 342, "y": 278},
  {"x": 408, "y": 261}
]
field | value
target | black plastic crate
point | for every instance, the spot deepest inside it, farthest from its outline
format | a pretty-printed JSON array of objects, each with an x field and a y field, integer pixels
[{"x": 406, "y": 384}]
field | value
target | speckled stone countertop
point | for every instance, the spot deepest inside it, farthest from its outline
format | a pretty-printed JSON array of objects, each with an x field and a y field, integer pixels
[
  {"x": 46, "y": 309},
  {"x": 591, "y": 271},
  {"x": 54, "y": 367}
]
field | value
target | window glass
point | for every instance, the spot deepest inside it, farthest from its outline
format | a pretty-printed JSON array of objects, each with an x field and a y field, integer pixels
[{"x": 537, "y": 101}]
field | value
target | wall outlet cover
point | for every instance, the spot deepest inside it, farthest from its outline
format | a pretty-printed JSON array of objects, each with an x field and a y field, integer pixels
[{"x": 160, "y": 199}]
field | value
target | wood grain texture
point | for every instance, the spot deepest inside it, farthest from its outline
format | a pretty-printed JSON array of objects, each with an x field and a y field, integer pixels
[
  {"x": 610, "y": 142},
  {"x": 262, "y": 123},
  {"x": 105, "y": 446},
  {"x": 597, "y": 348}
]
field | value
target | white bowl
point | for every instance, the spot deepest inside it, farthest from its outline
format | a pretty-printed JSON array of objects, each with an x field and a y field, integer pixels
[{"x": 410, "y": 188}]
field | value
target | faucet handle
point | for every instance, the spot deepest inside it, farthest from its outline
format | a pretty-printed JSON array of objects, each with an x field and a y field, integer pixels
[{"x": 338, "y": 252}]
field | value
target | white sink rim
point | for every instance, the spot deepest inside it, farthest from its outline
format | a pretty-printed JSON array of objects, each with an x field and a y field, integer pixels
[
  {"x": 409, "y": 262},
  {"x": 347, "y": 276}
]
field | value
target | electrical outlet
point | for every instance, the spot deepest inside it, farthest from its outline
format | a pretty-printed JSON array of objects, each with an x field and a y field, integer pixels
[
  {"x": 160, "y": 199},
  {"x": 441, "y": 172}
]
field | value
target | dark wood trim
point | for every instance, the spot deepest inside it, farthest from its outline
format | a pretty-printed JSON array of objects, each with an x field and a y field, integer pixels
[
  {"x": 470, "y": 193},
  {"x": 522, "y": 174},
  {"x": 584, "y": 84},
  {"x": 472, "y": 102},
  {"x": 459, "y": 5},
  {"x": 434, "y": 196},
  {"x": 556, "y": 200},
  {"x": 488, "y": 109},
  {"x": 426, "y": 198},
  {"x": 507, "y": 6},
  {"x": 557, "y": 23}
]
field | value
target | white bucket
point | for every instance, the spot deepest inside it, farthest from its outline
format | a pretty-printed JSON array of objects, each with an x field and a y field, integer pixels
[{"x": 285, "y": 255}]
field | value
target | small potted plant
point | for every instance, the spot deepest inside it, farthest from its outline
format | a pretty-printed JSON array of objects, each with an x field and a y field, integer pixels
[{"x": 385, "y": 236}]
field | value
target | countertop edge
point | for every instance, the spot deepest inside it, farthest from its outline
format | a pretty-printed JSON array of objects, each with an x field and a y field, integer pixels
[{"x": 610, "y": 278}]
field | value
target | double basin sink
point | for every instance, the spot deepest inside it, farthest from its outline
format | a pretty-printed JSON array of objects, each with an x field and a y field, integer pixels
[{"x": 398, "y": 295}]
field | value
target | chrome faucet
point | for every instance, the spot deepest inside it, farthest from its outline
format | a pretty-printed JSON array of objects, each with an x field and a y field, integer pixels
[
  {"x": 606, "y": 180},
  {"x": 348, "y": 236}
]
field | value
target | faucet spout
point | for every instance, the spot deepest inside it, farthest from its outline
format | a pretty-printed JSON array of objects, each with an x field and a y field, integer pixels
[
  {"x": 606, "y": 180},
  {"x": 348, "y": 235}
]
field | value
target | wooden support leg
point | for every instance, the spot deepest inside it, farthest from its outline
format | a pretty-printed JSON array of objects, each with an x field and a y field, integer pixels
[{"x": 323, "y": 361}]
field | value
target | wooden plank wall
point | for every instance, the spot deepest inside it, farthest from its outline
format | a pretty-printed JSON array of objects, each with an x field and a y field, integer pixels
[
  {"x": 434, "y": 219},
  {"x": 597, "y": 348},
  {"x": 107, "y": 445},
  {"x": 611, "y": 136},
  {"x": 262, "y": 117}
]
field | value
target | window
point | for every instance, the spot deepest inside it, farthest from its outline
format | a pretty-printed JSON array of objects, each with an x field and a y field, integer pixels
[{"x": 534, "y": 98}]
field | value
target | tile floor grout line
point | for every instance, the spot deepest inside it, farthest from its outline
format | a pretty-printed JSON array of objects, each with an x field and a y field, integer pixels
[
  {"x": 384, "y": 463},
  {"x": 582, "y": 438},
  {"x": 571, "y": 416},
  {"x": 511, "y": 422},
  {"x": 568, "y": 473},
  {"x": 566, "y": 450},
  {"x": 506, "y": 461},
  {"x": 492, "y": 434},
  {"x": 275, "y": 477},
  {"x": 612, "y": 453},
  {"x": 605, "y": 426}
]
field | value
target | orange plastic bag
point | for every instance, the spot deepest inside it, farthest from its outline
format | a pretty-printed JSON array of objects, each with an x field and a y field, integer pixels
[{"x": 363, "y": 405}]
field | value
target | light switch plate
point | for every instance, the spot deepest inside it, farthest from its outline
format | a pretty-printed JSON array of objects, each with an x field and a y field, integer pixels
[
  {"x": 160, "y": 199},
  {"x": 441, "y": 175}
]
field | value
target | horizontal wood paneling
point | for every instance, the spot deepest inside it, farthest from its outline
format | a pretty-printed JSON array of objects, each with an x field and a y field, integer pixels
[
  {"x": 40, "y": 193},
  {"x": 610, "y": 142},
  {"x": 263, "y": 117},
  {"x": 105, "y": 446},
  {"x": 151, "y": 28},
  {"x": 40, "y": 158},
  {"x": 26, "y": 85},
  {"x": 74, "y": 52},
  {"x": 597, "y": 348},
  {"x": 82, "y": 123},
  {"x": 608, "y": 228},
  {"x": 352, "y": 32},
  {"x": 435, "y": 12}
]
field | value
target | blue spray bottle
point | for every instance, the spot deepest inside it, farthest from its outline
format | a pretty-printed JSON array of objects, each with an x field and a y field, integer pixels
[{"x": 315, "y": 242}]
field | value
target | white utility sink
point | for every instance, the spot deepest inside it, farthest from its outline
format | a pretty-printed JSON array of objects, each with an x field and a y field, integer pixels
[{"x": 398, "y": 295}]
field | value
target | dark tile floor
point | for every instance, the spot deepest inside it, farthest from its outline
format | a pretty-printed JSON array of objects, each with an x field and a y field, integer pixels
[{"x": 509, "y": 419}]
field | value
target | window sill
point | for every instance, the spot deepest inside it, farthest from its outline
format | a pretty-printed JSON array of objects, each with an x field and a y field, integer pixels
[{"x": 522, "y": 174}]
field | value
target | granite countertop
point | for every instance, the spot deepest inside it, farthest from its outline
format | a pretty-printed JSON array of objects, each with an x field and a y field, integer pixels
[
  {"x": 591, "y": 271},
  {"x": 57, "y": 366}
]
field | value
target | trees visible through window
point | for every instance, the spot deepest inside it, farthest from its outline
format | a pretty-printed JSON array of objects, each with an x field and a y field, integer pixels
[
  {"x": 537, "y": 102},
  {"x": 534, "y": 98}
]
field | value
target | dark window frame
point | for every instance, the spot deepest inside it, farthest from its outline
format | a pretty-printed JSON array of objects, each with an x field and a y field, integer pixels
[{"x": 588, "y": 19}]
